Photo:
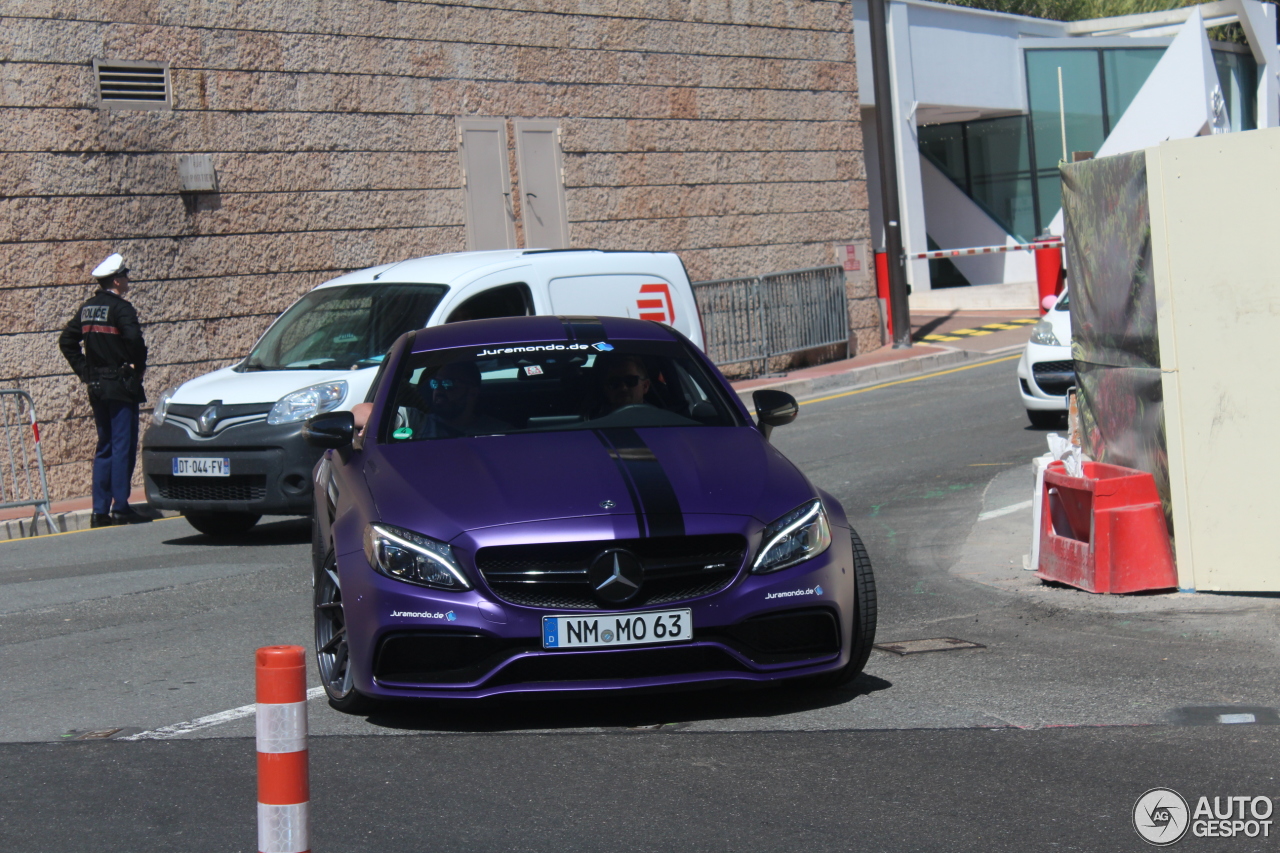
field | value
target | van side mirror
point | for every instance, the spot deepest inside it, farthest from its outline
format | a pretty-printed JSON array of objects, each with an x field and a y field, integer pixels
[
  {"x": 774, "y": 409},
  {"x": 330, "y": 430}
]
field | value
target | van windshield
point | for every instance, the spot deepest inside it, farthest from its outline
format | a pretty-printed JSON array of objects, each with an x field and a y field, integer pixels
[{"x": 343, "y": 327}]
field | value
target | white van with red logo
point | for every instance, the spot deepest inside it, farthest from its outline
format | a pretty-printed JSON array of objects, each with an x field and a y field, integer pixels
[{"x": 226, "y": 448}]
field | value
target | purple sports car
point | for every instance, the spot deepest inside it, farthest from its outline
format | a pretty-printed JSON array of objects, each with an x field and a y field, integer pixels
[{"x": 572, "y": 503}]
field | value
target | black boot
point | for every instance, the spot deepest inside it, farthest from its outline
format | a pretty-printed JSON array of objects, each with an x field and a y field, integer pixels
[
  {"x": 129, "y": 516},
  {"x": 100, "y": 519}
]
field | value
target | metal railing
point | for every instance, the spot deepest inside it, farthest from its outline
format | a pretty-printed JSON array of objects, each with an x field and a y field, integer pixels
[
  {"x": 22, "y": 454},
  {"x": 757, "y": 318}
]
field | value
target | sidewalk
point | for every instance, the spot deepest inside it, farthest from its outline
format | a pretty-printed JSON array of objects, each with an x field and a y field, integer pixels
[
  {"x": 68, "y": 515},
  {"x": 940, "y": 340}
]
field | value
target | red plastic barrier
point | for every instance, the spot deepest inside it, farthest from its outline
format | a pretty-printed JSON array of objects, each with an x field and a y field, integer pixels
[
  {"x": 284, "y": 790},
  {"x": 1105, "y": 531},
  {"x": 1049, "y": 272}
]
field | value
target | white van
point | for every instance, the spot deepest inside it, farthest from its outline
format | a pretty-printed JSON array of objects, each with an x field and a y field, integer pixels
[{"x": 226, "y": 448}]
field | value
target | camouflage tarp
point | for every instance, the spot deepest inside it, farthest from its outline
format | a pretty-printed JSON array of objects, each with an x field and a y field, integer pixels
[{"x": 1113, "y": 314}]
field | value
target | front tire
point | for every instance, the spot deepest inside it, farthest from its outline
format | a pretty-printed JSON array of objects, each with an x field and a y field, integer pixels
[
  {"x": 222, "y": 524},
  {"x": 333, "y": 656},
  {"x": 863, "y": 634}
]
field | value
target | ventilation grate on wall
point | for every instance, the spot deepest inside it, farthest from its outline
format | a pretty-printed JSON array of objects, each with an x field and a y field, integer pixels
[{"x": 132, "y": 85}]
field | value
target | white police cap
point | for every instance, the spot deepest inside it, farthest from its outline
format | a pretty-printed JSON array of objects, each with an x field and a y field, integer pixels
[{"x": 113, "y": 265}]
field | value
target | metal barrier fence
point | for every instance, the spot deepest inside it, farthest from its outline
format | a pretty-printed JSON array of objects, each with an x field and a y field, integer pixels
[
  {"x": 22, "y": 454},
  {"x": 757, "y": 318}
]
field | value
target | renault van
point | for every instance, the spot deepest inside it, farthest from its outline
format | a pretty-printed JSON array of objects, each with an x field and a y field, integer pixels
[{"x": 226, "y": 448}]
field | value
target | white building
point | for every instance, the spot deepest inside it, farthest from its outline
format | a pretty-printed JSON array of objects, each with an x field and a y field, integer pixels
[{"x": 986, "y": 104}]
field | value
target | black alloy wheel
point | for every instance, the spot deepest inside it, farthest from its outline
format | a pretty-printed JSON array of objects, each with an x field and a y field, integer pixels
[
  {"x": 222, "y": 524},
  {"x": 332, "y": 655},
  {"x": 863, "y": 634}
]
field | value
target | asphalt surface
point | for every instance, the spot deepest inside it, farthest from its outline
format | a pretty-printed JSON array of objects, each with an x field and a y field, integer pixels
[{"x": 1043, "y": 738}]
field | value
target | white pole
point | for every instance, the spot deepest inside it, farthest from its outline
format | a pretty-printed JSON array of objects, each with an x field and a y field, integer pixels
[{"x": 1062, "y": 115}]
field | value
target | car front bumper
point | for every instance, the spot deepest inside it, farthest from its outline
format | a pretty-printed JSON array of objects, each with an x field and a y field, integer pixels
[
  {"x": 270, "y": 469},
  {"x": 1051, "y": 361},
  {"x": 410, "y": 642}
]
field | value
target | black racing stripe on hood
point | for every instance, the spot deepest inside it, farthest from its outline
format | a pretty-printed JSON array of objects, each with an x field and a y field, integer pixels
[
  {"x": 584, "y": 330},
  {"x": 661, "y": 506},
  {"x": 626, "y": 478}
]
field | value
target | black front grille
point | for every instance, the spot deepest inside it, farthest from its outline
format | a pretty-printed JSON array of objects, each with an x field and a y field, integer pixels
[
  {"x": 245, "y": 487},
  {"x": 639, "y": 663},
  {"x": 1054, "y": 377},
  {"x": 554, "y": 575}
]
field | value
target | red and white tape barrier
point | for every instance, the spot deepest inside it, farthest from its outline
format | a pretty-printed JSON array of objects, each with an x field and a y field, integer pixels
[
  {"x": 284, "y": 790},
  {"x": 983, "y": 250}
]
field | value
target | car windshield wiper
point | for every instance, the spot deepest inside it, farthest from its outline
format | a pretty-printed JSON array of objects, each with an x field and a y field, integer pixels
[{"x": 250, "y": 367}]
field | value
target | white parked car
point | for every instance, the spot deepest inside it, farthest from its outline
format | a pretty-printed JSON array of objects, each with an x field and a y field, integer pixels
[
  {"x": 1046, "y": 370},
  {"x": 226, "y": 448}
]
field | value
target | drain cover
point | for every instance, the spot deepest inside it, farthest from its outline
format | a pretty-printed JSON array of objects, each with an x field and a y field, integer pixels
[
  {"x": 936, "y": 644},
  {"x": 100, "y": 734}
]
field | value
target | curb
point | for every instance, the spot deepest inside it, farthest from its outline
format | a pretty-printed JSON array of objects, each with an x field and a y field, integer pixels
[
  {"x": 918, "y": 365},
  {"x": 64, "y": 522}
]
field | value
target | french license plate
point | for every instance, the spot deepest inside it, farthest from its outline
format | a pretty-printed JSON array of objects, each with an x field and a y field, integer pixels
[
  {"x": 617, "y": 629},
  {"x": 201, "y": 466}
]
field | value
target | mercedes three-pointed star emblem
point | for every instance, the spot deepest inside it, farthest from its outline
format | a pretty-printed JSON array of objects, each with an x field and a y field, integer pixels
[{"x": 615, "y": 576}]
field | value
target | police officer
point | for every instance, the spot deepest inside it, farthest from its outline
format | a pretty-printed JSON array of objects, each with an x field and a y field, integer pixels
[{"x": 103, "y": 344}]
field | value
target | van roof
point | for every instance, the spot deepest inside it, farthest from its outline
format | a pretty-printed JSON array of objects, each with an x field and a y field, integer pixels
[{"x": 444, "y": 269}]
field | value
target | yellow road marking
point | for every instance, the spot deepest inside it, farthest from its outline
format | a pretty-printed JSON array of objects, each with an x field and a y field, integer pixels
[
  {"x": 1025, "y": 320},
  {"x": 999, "y": 326},
  {"x": 911, "y": 379},
  {"x": 940, "y": 338}
]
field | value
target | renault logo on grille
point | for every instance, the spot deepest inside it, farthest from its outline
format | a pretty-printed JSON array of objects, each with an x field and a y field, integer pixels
[
  {"x": 209, "y": 419},
  {"x": 616, "y": 576}
]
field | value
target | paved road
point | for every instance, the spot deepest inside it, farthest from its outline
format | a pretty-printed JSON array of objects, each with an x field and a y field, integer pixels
[{"x": 153, "y": 625}]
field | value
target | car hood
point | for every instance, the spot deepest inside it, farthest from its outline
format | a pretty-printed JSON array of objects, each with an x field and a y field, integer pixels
[
  {"x": 263, "y": 386},
  {"x": 442, "y": 488}
]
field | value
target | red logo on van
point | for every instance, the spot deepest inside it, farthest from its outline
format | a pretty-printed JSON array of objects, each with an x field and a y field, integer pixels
[{"x": 666, "y": 312}]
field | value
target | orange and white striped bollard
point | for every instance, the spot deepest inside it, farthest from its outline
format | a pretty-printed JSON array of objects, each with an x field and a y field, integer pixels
[{"x": 284, "y": 789}]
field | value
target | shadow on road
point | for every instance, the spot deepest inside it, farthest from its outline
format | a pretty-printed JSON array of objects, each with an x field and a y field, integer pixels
[
  {"x": 643, "y": 712},
  {"x": 285, "y": 531}
]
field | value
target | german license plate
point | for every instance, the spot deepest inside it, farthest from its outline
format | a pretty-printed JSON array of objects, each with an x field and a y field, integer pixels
[
  {"x": 617, "y": 629},
  {"x": 201, "y": 466}
]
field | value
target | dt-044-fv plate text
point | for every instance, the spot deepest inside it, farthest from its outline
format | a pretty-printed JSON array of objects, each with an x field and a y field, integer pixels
[
  {"x": 617, "y": 629},
  {"x": 201, "y": 466}
]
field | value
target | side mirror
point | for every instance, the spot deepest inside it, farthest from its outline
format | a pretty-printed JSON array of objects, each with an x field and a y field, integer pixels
[
  {"x": 331, "y": 429},
  {"x": 774, "y": 409}
]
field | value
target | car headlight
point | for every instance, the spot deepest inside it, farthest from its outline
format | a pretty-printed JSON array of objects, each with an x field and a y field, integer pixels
[
  {"x": 305, "y": 402},
  {"x": 412, "y": 557},
  {"x": 1042, "y": 333},
  {"x": 800, "y": 535},
  {"x": 162, "y": 405}
]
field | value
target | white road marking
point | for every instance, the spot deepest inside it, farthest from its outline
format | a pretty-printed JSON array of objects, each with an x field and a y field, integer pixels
[
  {"x": 1237, "y": 718},
  {"x": 1004, "y": 510},
  {"x": 179, "y": 729}
]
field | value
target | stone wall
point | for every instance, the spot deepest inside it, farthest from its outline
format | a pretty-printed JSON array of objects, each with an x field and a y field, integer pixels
[{"x": 726, "y": 132}]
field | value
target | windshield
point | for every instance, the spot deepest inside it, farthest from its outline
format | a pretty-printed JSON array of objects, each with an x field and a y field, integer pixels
[
  {"x": 344, "y": 327},
  {"x": 551, "y": 387}
]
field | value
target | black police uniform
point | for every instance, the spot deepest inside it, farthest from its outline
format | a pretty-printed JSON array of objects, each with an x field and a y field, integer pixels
[{"x": 112, "y": 363}]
